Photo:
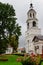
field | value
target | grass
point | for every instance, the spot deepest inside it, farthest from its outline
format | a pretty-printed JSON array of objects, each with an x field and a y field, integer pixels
[
  {"x": 11, "y": 60},
  {"x": 42, "y": 63}
]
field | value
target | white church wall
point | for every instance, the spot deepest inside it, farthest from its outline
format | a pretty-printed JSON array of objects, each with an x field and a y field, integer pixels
[
  {"x": 40, "y": 44},
  {"x": 32, "y": 30}
]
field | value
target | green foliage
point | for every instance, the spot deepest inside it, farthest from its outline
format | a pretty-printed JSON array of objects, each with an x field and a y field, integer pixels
[
  {"x": 8, "y": 26},
  {"x": 14, "y": 42},
  {"x": 28, "y": 61},
  {"x": 38, "y": 59},
  {"x": 41, "y": 63}
]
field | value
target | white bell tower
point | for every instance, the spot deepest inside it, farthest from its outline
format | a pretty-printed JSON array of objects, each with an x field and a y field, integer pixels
[{"x": 32, "y": 29}]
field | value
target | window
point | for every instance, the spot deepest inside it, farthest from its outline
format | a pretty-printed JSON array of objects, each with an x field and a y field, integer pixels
[
  {"x": 34, "y": 23},
  {"x": 27, "y": 25},
  {"x": 36, "y": 47},
  {"x": 33, "y": 14},
  {"x": 30, "y": 15}
]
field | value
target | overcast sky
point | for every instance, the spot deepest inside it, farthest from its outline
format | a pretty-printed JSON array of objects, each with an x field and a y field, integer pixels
[{"x": 21, "y": 8}]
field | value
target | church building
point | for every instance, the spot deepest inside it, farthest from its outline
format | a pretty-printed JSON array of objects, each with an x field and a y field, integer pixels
[{"x": 34, "y": 39}]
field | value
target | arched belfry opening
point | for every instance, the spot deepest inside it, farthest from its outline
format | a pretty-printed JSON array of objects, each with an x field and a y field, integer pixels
[
  {"x": 34, "y": 24},
  {"x": 30, "y": 15},
  {"x": 27, "y": 25}
]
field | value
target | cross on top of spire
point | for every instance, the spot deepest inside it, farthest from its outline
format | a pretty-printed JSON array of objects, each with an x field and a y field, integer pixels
[{"x": 31, "y": 5}]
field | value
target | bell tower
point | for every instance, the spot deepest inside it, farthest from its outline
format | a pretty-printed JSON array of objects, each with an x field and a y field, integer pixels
[
  {"x": 32, "y": 21},
  {"x": 32, "y": 29}
]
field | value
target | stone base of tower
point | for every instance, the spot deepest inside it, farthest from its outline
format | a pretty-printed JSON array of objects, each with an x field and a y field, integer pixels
[{"x": 30, "y": 49}]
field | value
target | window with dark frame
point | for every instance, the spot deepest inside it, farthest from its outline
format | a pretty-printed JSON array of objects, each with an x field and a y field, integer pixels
[
  {"x": 34, "y": 24},
  {"x": 36, "y": 47},
  {"x": 27, "y": 25},
  {"x": 30, "y": 15}
]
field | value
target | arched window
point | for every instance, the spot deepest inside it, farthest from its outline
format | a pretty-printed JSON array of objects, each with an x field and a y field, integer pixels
[
  {"x": 27, "y": 25},
  {"x": 34, "y": 24},
  {"x": 30, "y": 15},
  {"x": 33, "y": 14}
]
